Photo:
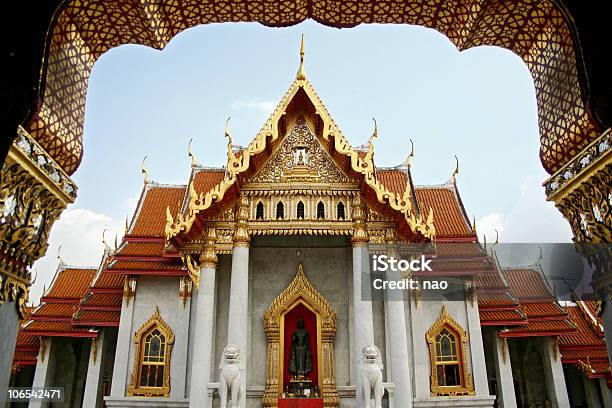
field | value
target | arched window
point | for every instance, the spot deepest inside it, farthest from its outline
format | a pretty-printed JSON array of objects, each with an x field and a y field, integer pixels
[
  {"x": 280, "y": 211},
  {"x": 153, "y": 360},
  {"x": 151, "y": 371},
  {"x": 447, "y": 350},
  {"x": 447, "y": 359},
  {"x": 320, "y": 211},
  {"x": 340, "y": 211},
  {"x": 300, "y": 210},
  {"x": 259, "y": 211}
]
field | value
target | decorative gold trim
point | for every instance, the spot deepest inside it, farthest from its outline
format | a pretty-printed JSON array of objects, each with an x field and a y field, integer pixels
[
  {"x": 300, "y": 290},
  {"x": 155, "y": 321},
  {"x": 185, "y": 289},
  {"x": 237, "y": 163},
  {"x": 467, "y": 388},
  {"x": 241, "y": 233},
  {"x": 94, "y": 349},
  {"x": 129, "y": 288}
]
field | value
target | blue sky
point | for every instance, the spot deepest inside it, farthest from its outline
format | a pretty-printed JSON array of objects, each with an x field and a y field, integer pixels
[{"x": 478, "y": 104}]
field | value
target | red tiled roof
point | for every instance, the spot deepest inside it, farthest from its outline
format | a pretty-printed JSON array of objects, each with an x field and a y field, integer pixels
[
  {"x": 71, "y": 283},
  {"x": 142, "y": 249},
  {"x": 205, "y": 179},
  {"x": 449, "y": 218},
  {"x": 394, "y": 180},
  {"x": 98, "y": 316},
  {"x": 527, "y": 284},
  {"x": 585, "y": 335},
  {"x": 151, "y": 214},
  {"x": 147, "y": 265}
]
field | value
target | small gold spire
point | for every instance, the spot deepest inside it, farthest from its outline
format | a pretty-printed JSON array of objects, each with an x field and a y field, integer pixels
[
  {"x": 126, "y": 225},
  {"x": 144, "y": 171},
  {"x": 301, "y": 74},
  {"x": 474, "y": 223}
]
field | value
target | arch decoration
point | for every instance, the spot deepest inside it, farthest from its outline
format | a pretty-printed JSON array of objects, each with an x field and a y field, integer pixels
[
  {"x": 465, "y": 384},
  {"x": 135, "y": 388},
  {"x": 300, "y": 291}
]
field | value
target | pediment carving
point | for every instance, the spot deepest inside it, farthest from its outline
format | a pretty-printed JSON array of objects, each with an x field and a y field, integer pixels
[{"x": 300, "y": 158}]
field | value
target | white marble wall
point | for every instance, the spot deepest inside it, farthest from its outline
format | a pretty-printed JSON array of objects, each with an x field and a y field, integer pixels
[{"x": 151, "y": 292}]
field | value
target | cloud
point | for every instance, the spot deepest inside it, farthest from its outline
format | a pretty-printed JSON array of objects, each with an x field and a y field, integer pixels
[
  {"x": 531, "y": 219},
  {"x": 79, "y": 232},
  {"x": 265, "y": 106},
  {"x": 486, "y": 226}
]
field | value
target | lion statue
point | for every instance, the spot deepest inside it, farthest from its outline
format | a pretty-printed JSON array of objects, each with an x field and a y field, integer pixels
[
  {"x": 371, "y": 376},
  {"x": 229, "y": 381}
]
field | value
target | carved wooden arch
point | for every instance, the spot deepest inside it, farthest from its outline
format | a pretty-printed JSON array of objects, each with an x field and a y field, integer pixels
[
  {"x": 301, "y": 290},
  {"x": 446, "y": 321},
  {"x": 155, "y": 321},
  {"x": 541, "y": 32}
]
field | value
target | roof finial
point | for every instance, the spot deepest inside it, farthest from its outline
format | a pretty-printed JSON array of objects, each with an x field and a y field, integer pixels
[
  {"x": 408, "y": 161},
  {"x": 144, "y": 171},
  {"x": 190, "y": 154},
  {"x": 126, "y": 225},
  {"x": 474, "y": 224},
  {"x": 104, "y": 239},
  {"x": 456, "y": 171},
  {"x": 59, "y": 257},
  {"x": 301, "y": 74}
]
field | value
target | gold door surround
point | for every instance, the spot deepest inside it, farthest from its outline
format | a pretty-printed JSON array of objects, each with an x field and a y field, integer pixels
[{"x": 300, "y": 291}]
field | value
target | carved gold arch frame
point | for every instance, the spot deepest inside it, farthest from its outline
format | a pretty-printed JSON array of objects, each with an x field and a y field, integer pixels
[
  {"x": 300, "y": 291},
  {"x": 135, "y": 389},
  {"x": 467, "y": 386}
]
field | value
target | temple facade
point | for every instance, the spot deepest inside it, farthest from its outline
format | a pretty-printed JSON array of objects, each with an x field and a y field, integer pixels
[{"x": 249, "y": 286}]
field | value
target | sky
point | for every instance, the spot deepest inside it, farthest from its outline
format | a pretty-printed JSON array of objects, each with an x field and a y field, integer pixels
[{"x": 478, "y": 104}]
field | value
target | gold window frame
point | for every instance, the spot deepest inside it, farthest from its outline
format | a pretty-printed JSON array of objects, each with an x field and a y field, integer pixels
[
  {"x": 135, "y": 389},
  {"x": 445, "y": 321}
]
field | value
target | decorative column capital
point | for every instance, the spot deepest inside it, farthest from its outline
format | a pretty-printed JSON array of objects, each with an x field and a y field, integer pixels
[
  {"x": 241, "y": 234},
  {"x": 208, "y": 258},
  {"x": 360, "y": 231}
]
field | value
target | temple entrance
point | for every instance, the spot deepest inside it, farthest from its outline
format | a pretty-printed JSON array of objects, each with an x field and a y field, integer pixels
[
  {"x": 300, "y": 342},
  {"x": 300, "y": 328}
]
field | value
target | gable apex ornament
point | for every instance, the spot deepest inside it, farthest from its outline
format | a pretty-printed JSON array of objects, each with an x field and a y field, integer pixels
[{"x": 301, "y": 74}]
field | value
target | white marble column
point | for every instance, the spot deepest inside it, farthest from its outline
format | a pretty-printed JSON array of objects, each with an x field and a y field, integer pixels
[
  {"x": 397, "y": 353},
  {"x": 479, "y": 367},
  {"x": 92, "y": 396},
  {"x": 606, "y": 393},
  {"x": 237, "y": 330},
  {"x": 363, "y": 322},
  {"x": 591, "y": 391},
  {"x": 553, "y": 372},
  {"x": 122, "y": 354},
  {"x": 503, "y": 372},
  {"x": 202, "y": 365},
  {"x": 45, "y": 369},
  {"x": 238, "y": 319}
]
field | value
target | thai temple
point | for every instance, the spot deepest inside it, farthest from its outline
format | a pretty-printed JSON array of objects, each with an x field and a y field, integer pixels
[{"x": 244, "y": 287}]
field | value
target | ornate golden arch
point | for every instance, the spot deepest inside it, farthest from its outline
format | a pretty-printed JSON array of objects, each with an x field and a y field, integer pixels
[
  {"x": 446, "y": 321},
  {"x": 155, "y": 321},
  {"x": 301, "y": 291}
]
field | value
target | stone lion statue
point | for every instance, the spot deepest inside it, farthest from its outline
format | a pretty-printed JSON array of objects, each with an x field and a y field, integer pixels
[
  {"x": 371, "y": 375},
  {"x": 229, "y": 381}
]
